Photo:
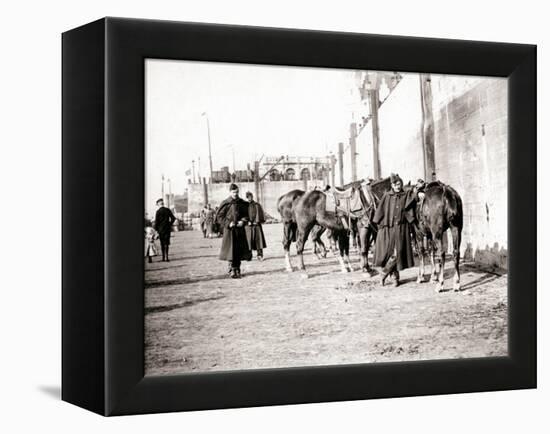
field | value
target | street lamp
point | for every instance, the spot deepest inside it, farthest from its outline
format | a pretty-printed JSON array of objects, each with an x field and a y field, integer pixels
[{"x": 209, "y": 144}]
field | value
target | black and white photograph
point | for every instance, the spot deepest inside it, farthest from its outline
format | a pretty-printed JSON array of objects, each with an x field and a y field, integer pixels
[
  {"x": 301, "y": 217},
  {"x": 275, "y": 217}
]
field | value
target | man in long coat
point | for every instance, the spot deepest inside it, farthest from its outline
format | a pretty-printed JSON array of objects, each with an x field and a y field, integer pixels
[
  {"x": 254, "y": 231},
  {"x": 394, "y": 215},
  {"x": 164, "y": 219},
  {"x": 233, "y": 217}
]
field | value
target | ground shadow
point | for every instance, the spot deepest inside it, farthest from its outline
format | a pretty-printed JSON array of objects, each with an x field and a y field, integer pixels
[
  {"x": 486, "y": 278},
  {"x": 167, "y": 308},
  {"x": 51, "y": 391}
]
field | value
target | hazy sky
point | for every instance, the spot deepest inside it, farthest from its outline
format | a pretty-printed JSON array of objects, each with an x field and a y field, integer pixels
[{"x": 253, "y": 109}]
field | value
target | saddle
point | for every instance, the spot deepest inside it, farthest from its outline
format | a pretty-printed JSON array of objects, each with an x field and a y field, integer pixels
[{"x": 346, "y": 201}]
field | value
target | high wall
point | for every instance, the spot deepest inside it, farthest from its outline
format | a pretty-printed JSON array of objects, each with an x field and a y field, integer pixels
[
  {"x": 470, "y": 126},
  {"x": 270, "y": 191}
]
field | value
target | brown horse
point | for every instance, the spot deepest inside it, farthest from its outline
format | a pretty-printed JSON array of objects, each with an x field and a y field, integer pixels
[
  {"x": 439, "y": 210},
  {"x": 301, "y": 212}
]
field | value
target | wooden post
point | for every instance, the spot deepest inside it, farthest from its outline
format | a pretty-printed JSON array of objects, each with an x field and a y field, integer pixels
[
  {"x": 374, "y": 101},
  {"x": 353, "y": 150},
  {"x": 427, "y": 126},
  {"x": 205, "y": 190},
  {"x": 257, "y": 182},
  {"x": 332, "y": 170},
  {"x": 341, "y": 162}
]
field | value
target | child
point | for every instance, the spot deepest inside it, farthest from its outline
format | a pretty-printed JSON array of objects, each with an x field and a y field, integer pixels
[{"x": 150, "y": 247}]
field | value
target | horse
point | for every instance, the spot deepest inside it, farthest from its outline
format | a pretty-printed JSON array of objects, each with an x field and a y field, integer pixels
[
  {"x": 439, "y": 210},
  {"x": 301, "y": 212}
]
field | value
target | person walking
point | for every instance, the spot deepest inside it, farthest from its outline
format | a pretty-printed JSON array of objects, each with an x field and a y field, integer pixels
[
  {"x": 254, "y": 231},
  {"x": 164, "y": 219},
  {"x": 394, "y": 216},
  {"x": 233, "y": 216}
]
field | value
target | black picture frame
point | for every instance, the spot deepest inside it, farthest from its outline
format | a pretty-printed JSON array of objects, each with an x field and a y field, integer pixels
[{"x": 103, "y": 203}]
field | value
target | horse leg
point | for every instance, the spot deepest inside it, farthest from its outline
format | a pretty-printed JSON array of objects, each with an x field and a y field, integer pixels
[
  {"x": 439, "y": 264},
  {"x": 422, "y": 253},
  {"x": 342, "y": 236},
  {"x": 354, "y": 234},
  {"x": 343, "y": 248},
  {"x": 431, "y": 247},
  {"x": 287, "y": 240},
  {"x": 346, "y": 254},
  {"x": 365, "y": 240},
  {"x": 303, "y": 233},
  {"x": 456, "y": 233},
  {"x": 318, "y": 245}
]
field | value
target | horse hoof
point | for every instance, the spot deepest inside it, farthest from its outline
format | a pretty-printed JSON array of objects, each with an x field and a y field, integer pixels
[
  {"x": 420, "y": 279},
  {"x": 456, "y": 287},
  {"x": 304, "y": 275},
  {"x": 439, "y": 287},
  {"x": 289, "y": 270}
]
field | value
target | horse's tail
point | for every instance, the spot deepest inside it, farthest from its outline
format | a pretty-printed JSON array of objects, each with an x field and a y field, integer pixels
[{"x": 454, "y": 206}]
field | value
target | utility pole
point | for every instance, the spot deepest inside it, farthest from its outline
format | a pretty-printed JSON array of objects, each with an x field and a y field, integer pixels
[
  {"x": 193, "y": 163},
  {"x": 169, "y": 196},
  {"x": 374, "y": 102},
  {"x": 162, "y": 187},
  {"x": 427, "y": 126},
  {"x": 332, "y": 170},
  {"x": 257, "y": 181},
  {"x": 209, "y": 144},
  {"x": 205, "y": 191},
  {"x": 341, "y": 162},
  {"x": 353, "y": 150}
]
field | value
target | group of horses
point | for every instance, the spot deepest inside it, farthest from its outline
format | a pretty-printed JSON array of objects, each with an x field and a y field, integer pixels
[{"x": 350, "y": 210}]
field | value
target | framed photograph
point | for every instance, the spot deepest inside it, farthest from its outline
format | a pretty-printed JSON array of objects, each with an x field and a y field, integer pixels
[{"x": 256, "y": 216}]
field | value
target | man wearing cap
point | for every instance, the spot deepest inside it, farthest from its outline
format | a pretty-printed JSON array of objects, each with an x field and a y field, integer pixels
[
  {"x": 233, "y": 217},
  {"x": 254, "y": 231},
  {"x": 164, "y": 219},
  {"x": 394, "y": 215}
]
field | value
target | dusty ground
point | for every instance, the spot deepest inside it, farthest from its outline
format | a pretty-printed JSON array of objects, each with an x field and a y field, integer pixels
[{"x": 197, "y": 319}]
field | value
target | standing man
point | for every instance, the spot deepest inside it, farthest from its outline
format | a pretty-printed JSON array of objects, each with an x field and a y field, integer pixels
[
  {"x": 254, "y": 231},
  {"x": 233, "y": 217},
  {"x": 394, "y": 216},
  {"x": 202, "y": 220},
  {"x": 164, "y": 219},
  {"x": 209, "y": 221}
]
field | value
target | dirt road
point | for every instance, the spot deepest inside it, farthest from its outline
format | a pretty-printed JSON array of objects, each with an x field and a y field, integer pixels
[{"x": 197, "y": 319}]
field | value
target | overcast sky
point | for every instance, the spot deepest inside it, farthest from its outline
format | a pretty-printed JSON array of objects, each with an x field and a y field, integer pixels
[{"x": 253, "y": 109}]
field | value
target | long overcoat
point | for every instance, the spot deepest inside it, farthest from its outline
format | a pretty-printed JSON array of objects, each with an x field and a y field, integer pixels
[
  {"x": 234, "y": 242},
  {"x": 254, "y": 231},
  {"x": 394, "y": 215}
]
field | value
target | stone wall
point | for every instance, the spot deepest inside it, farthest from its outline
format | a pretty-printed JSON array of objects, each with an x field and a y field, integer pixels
[
  {"x": 470, "y": 120},
  {"x": 270, "y": 191}
]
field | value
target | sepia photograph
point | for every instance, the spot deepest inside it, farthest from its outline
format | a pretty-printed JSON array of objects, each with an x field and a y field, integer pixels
[{"x": 302, "y": 217}]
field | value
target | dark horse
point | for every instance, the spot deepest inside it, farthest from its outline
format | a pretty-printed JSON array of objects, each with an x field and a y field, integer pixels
[
  {"x": 303, "y": 211},
  {"x": 440, "y": 209}
]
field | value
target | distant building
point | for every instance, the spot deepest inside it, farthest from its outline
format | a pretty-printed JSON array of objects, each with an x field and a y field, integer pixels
[{"x": 294, "y": 168}]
